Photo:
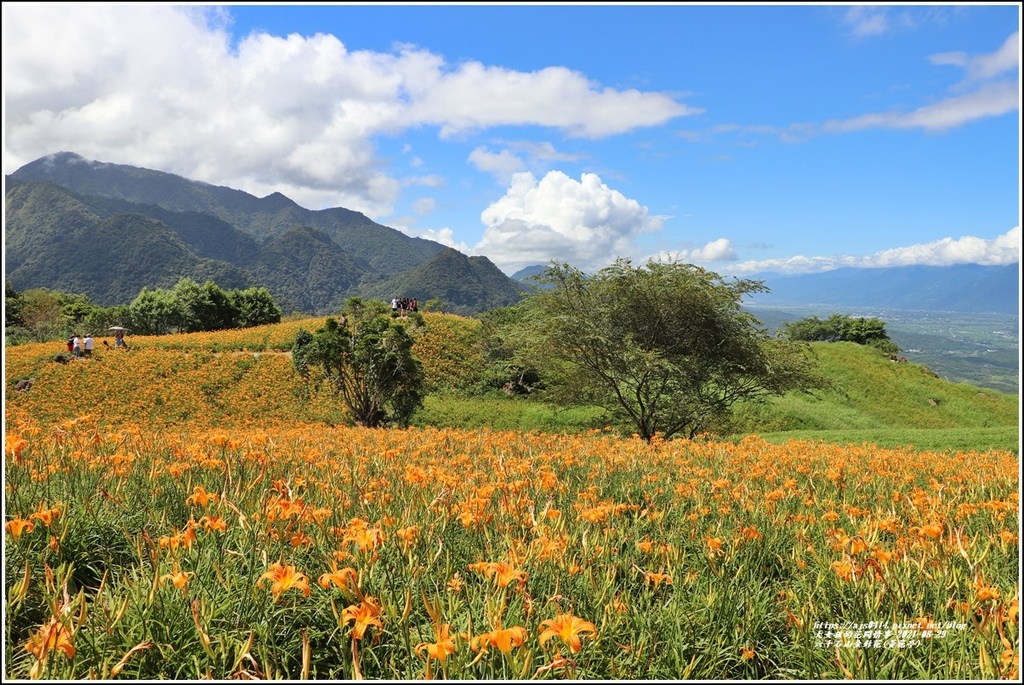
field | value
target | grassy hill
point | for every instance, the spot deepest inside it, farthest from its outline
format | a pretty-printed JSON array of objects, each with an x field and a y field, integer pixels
[{"x": 245, "y": 378}]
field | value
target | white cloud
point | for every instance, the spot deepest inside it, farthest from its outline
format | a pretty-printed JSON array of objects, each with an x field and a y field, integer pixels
[
  {"x": 539, "y": 157},
  {"x": 867, "y": 21},
  {"x": 990, "y": 88},
  {"x": 990, "y": 100},
  {"x": 445, "y": 236},
  {"x": 502, "y": 165},
  {"x": 1005, "y": 59},
  {"x": 424, "y": 205},
  {"x": 720, "y": 250},
  {"x": 161, "y": 87},
  {"x": 1002, "y": 250},
  {"x": 583, "y": 222}
]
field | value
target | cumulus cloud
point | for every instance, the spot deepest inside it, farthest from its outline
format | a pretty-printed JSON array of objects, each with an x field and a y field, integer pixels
[
  {"x": 500, "y": 164},
  {"x": 720, "y": 250},
  {"x": 516, "y": 156},
  {"x": 163, "y": 87},
  {"x": 445, "y": 236},
  {"x": 1002, "y": 250},
  {"x": 583, "y": 222}
]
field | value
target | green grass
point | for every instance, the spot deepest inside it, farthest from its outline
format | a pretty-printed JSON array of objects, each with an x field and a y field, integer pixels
[
  {"x": 870, "y": 392},
  {"x": 506, "y": 413}
]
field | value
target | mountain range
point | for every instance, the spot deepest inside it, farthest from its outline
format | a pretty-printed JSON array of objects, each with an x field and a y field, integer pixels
[
  {"x": 965, "y": 288},
  {"x": 108, "y": 230}
]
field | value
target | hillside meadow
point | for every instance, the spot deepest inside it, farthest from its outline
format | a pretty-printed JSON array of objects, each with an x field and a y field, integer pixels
[{"x": 188, "y": 509}]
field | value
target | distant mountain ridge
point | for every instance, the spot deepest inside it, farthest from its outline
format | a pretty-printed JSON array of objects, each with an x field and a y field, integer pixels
[
  {"x": 964, "y": 288},
  {"x": 107, "y": 230},
  {"x": 973, "y": 288}
]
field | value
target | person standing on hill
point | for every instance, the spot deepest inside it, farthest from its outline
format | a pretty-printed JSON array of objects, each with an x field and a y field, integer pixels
[
  {"x": 87, "y": 343},
  {"x": 76, "y": 345}
]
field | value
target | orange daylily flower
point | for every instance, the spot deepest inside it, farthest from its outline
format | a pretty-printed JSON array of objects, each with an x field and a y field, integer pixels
[
  {"x": 844, "y": 569},
  {"x": 338, "y": 578},
  {"x": 714, "y": 544},
  {"x": 985, "y": 591},
  {"x": 14, "y": 446},
  {"x": 568, "y": 629},
  {"x": 441, "y": 648},
  {"x": 657, "y": 579},
  {"x": 456, "y": 583},
  {"x": 284, "y": 577},
  {"x": 45, "y": 515},
  {"x": 18, "y": 526},
  {"x": 503, "y": 573},
  {"x": 618, "y": 605},
  {"x": 502, "y": 638},
  {"x": 365, "y": 614},
  {"x": 212, "y": 523},
  {"x": 51, "y": 637},
  {"x": 184, "y": 538},
  {"x": 201, "y": 497},
  {"x": 179, "y": 579}
]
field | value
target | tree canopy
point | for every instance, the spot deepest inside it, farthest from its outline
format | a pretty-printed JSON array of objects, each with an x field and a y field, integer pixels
[
  {"x": 841, "y": 328},
  {"x": 367, "y": 360},
  {"x": 665, "y": 347}
]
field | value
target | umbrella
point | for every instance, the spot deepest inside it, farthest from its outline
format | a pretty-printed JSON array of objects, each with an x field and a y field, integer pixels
[{"x": 117, "y": 328}]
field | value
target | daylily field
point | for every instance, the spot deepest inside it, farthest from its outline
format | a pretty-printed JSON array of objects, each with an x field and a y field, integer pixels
[{"x": 207, "y": 526}]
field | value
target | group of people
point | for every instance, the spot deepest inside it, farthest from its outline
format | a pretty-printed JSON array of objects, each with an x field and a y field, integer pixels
[
  {"x": 403, "y": 305},
  {"x": 80, "y": 346}
]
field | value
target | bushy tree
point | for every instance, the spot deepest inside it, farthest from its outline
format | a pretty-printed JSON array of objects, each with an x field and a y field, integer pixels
[
  {"x": 43, "y": 315},
  {"x": 12, "y": 307},
  {"x": 367, "y": 361},
  {"x": 498, "y": 336},
  {"x": 154, "y": 312},
  {"x": 254, "y": 307},
  {"x": 841, "y": 328},
  {"x": 203, "y": 307},
  {"x": 664, "y": 347}
]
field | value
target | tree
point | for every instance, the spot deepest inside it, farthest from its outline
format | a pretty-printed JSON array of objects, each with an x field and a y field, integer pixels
[
  {"x": 503, "y": 368},
  {"x": 202, "y": 307},
  {"x": 841, "y": 328},
  {"x": 12, "y": 307},
  {"x": 42, "y": 313},
  {"x": 154, "y": 312},
  {"x": 664, "y": 347},
  {"x": 255, "y": 307},
  {"x": 367, "y": 361}
]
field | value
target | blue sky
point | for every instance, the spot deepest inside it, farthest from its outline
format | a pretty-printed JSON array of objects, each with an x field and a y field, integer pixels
[{"x": 745, "y": 138}]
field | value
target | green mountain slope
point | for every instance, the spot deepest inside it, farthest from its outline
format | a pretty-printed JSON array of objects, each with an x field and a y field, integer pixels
[
  {"x": 306, "y": 271},
  {"x": 464, "y": 284},
  {"x": 54, "y": 239},
  {"x": 309, "y": 260}
]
